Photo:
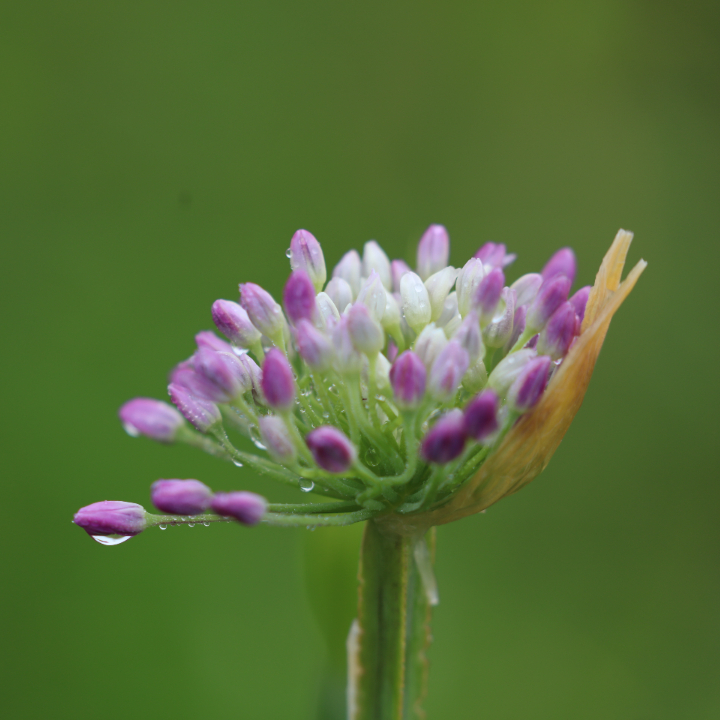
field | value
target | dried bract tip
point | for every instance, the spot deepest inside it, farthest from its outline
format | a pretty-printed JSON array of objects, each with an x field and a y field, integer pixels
[
  {"x": 445, "y": 440},
  {"x": 246, "y": 507},
  {"x": 306, "y": 254},
  {"x": 151, "y": 418},
  {"x": 433, "y": 251},
  {"x": 331, "y": 449},
  {"x": 181, "y": 497}
]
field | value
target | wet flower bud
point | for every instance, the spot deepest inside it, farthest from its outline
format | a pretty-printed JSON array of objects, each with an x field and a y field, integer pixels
[
  {"x": 518, "y": 327},
  {"x": 374, "y": 258},
  {"x": 433, "y": 251},
  {"x": 372, "y": 294},
  {"x": 277, "y": 440},
  {"x": 246, "y": 507},
  {"x": 467, "y": 284},
  {"x": 331, "y": 449},
  {"x": 468, "y": 336},
  {"x": 313, "y": 346},
  {"x": 111, "y": 517},
  {"x": 224, "y": 372},
  {"x": 151, "y": 418},
  {"x": 391, "y": 316},
  {"x": 449, "y": 311},
  {"x": 476, "y": 377},
  {"x": 181, "y": 497},
  {"x": 255, "y": 373},
  {"x": 438, "y": 286},
  {"x": 397, "y": 269},
  {"x": 340, "y": 293},
  {"x": 366, "y": 333},
  {"x": 494, "y": 255},
  {"x": 551, "y": 296},
  {"x": 278, "y": 382},
  {"x": 382, "y": 372},
  {"x": 299, "y": 297},
  {"x": 527, "y": 287},
  {"x": 306, "y": 254},
  {"x": 445, "y": 440},
  {"x": 407, "y": 377},
  {"x": 327, "y": 311},
  {"x": 203, "y": 414},
  {"x": 346, "y": 359},
  {"x": 233, "y": 322},
  {"x": 559, "y": 332},
  {"x": 447, "y": 371},
  {"x": 266, "y": 315},
  {"x": 500, "y": 328},
  {"x": 487, "y": 295},
  {"x": 184, "y": 375},
  {"x": 350, "y": 270},
  {"x": 209, "y": 340},
  {"x": 530, "y": 384},
  {"x": 481, "y": 415},
  {"x": 579, "y": 301},
  {"x": 415, "y": 301},
  {"x": 561, "y": 263},
  {"x": 429, "y": 343},
  {"x": 508, "y": 369}
]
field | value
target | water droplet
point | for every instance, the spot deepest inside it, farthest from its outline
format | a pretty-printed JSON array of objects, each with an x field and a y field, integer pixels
[
  {"x": 110, "y": 539},
  {"x": 240, "y": 351},
  {"x": 206, "y": 524},
  {"x": 256, "y": 438},
  {"x": 288, "y": 253},
  {"x": 191, "y": 524},
  {"x": 131, "y": 430},
  {"x": 163, "y": 526},
  {"x": 380, "y": 398},
  {"x": 371, "y": 457},
  {"x": 326, "y": 414},
  {"x": 307, "y": 485},
  {"x": 237, "y": 462}
]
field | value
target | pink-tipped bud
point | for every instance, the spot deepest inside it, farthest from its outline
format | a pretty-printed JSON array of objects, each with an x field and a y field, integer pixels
[
  {"x": 445, "y": 440},
  {"x": 508, "y": 369},
  {"x": 407, "y": 378},
  {"x": 518, "y": 327},
  {"x": 374, "y": 258},
  {"x": 350, "y": 270},
  {"x": 266, "y": 315},
  {"x": 224, "y": 372},
  {"x": 467, "y": 284},
  {"x": 184, "y": 375},
  {"x": 373, "y": 295},
  {"x": 340, "y": 293},
  {"x": 527, "y": 287},
  {"x": 208, "y": 339},
  {"x": 397, "y": 269},
  {"x": 495, "y": 255},
  {"x": 203, "y": 414},
  {"x": 331, "y": 449},
  {"x": 246, "y": 507},
  {"x": 559, "y": 332},
  {"x": 151, "y": 418},
  {"x": 433, "y": 251},
  {"x": 111, "y": 517},
  {"x": 313, "y": 346},
  {"x": 551, "y": 296},
  {"x": 366, "y": 333},
  {"x": 497, "y": 332},
  {"x": 429, "y": 343},
  {"x": 561, "y": 263},
  {"x": 579, "y": 302},
  {"x": 278, "y": 382},
  {"x": 346, "y": 359},
  {"x": 469, "y": 337},
  {"x": 299, "y": 297},
  {"x": 255, "y": 373},
  {"x": 181, "y": 497},
  {"x": 306, "y": 254},
  {"x": 277, "y": 440},
  {"x": 233, "y": 322},
  {"x": 487, "y": 295},
  {"x": 481, "y": 415},
  {"x": 530, "y": 384},
  {"x": 447, "y": 371}
]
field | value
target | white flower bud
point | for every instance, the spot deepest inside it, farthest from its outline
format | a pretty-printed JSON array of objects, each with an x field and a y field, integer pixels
[
  {"x": 374, "y": 258},
  {"x": 438, "y": 287},
  {"x": 500, "y": 328},
  {"x": 350, "y": 270},
  {"x": 476, "y": 377},
  {"x": 326, "y": 309},
  {"x": 372, "y": 295},
  {"x": 429, "y": 344},
  {"x": 467, "y": 283},
  {"x": 416, "y": 301},
  {"x": 340, "y": 292},
  {"x": 508, "y": 369}
]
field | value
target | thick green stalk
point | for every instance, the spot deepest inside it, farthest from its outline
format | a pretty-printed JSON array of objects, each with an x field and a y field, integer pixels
[{"x": 388, "y": 642}]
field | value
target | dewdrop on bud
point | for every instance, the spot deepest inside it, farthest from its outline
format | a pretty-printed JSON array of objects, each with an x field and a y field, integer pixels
[
  {"x": 245, "y": 507},
  {"x": 433, "y": 251},
  {"x": 350, "y": 270},
  {"x": 152, "y": 418},
  {"x": 233, "y": 322},
  {"x": 374, "y": 258},
  {"x": 415, "y": 301},
  {"x": 340, "y": 293},
  {"x": 111, "y": 520},
  {"x": 445, "y": 440},
  {"x": 278, "y": 383},
  {"x": 277, "y": 440},
  {"x": 438, "y": 286},
  {"x": 306, "y": 254},
  {"x": 331, "y": 449},
  {"x": 181, "y": 497}
]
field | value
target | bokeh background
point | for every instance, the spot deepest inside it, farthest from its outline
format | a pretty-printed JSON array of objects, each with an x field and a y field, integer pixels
[{"x": 154, "y": 154}]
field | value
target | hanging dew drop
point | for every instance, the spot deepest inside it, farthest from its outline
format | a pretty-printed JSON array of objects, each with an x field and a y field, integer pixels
[
  {"x": 206, "y": 524},
  {"x": 307, "y": 485},
  {"x": 191, "y": 524},
  {"x": 110, "y": 539},
  {"x": 288, "y": 253},
  {"x": 163, "y": 526},
  {"x": 255, "y": 437},
  {"x": 236, "y": 462},
  {"x": 326, "y": 414},
  {"x": 131, "y": 430}
]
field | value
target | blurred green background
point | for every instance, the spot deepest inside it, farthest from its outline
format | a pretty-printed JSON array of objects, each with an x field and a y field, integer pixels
[{"x": 156, "y": 153}]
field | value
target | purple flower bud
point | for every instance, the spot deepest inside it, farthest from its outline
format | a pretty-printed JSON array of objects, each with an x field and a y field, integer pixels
[
  {"x": 350, "y": 270},
  {"x": 429, "y": 343},
  {"x": 306, "y": 254},
  {"x": 392, "y": 351},
  {"x": 468, "y": 336},
  {"x": 487, "y": 295},
  {"x": 526, "y": 287},
  {"x": 397, "y": 269},
  {"x": 374, "y": 258},
  {"x": 246, "y": 507},
  {"x": 255, "y": 373},
  {"x": 278, "y": 382},
  {"x": 331, "y": 449},
  {"x": 530, "y": 384},
  {"x": 181, "y": 497},
  {"x": 433, "y": 251},
  {"x": 447, "y": 371},
  {"x": 233, "y": 322},
  {"x": 467, "y": 283},
  {"x": 266, "y": 315},
  {"x": 366, "y": 333},
  {"x": 495, "y": 255},
  {"x": 551, "y": 296},
  {"x": 313, "y": 346},
  {"x": 111, "y": 517},
  {"x": 508, "y": 369},
  {"x": 340, "y": 293},
  {"x": 152, "y": 418},
  {"x": 481, "y": 415},
  {"x": 559, "y": 332},
  {"x": 224, "y": 372},
  {"x": 579, "y": 302},
  {"x": 201, "y": 413},
  {"x": 445, "y": 440},
  {"x": 518, "y": 327},
  {"x": 277, "y": 440},
  {"x": 346, "y": 359},
  {"x": 500, "y": 328},
  {"x": 299, "y": 297},
  {"x": 407, "y": 377},
  {"x": 184, "y": 375},
  {"x": 561, "y": 263},
  {"x": 208, "y": 339}
]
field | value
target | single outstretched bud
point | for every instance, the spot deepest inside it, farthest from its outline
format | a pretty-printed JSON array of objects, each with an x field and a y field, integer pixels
[
  {"x": 340, "y": 293},
  {"x": 429, "y": 343},
  {"x": 277, "y": 440},
  {"x": 447, "y": 371},
  {"x": 306, "y": 254},
  {"x": 266, "y": 315},
  {"x": 365, "y": 332},
  {"x": 467, "y": 283},
  {"x": 203, "y": 414},
  {"x": 551, "y": 296},
  {"x": 495, "y": 255},
  {"x": 508, "y": 369},
  {"x": 113, "y": 518},
  {"x": 278, "y": 382},
  {"x": 374, "y": 258},
  {"x": 350, "y": 270},
  {"x": 407, "y": 377},
  {"x": 561, "y": 263},
  {"x": 438, "y": 286},
  {"x": 373, "y": 296},
  {"x": 559, "y": 332},
  {"x": 234, "y": 323},
  {"x": 397, "y": 269},
  {"x": 469, "y": 337},
  {"x": 208, "y": 339},
  {"x": 151, "y": 418},
  {"x": 527, "y": 287},
  {"x": 181, "y": 497},
  {"x": 299, "y": 297},
  {"x": 579, "y": 301},
  {"x": 313, "y": 346},
  {"x": 530, "y": 384},
  {"x": 500, "y": 328},
  {"x": 224, "y": 372},
  {"x": 246, "y": 507},
  {"x": 415, "y": 301},
  {"x": 488, "y": 294},
  {"x": 331, "y": 449},
  {"x": 445, "y": 440},
  {"x": 433, "y": 251},
  {"x": 481, "y": 415}
]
